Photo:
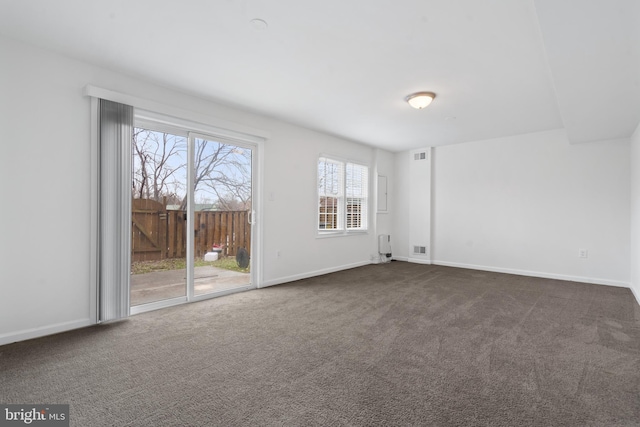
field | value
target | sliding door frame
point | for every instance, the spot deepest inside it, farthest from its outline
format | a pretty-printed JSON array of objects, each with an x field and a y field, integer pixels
[
  {"x": 167, "y": 116},
  {"x": 191, "y": 213},
  {"x": 178, "y": 130}
]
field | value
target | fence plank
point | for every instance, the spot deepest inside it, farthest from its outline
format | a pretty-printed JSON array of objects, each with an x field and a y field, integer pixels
[
  {"x": 210, "y": 230},
  {"x": 160, "y": 234},
  {"x": 239, "y": 221},
  {"x": 217, "y": 230},
  {"x": 171, "y": 236},
  {"x": 224, "y": 232},
  {"x": 146, "y": 230},
  {"x": 147, "y": 226},
  {"x": 230, "y": 234}
]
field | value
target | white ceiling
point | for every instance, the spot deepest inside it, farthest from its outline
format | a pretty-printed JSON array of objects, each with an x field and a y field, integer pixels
[{"x": 499, "y": 67}]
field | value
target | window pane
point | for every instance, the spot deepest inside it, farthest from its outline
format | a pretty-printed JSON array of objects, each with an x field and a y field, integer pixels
[
  {"x": 357, "y": 191},
  {"x": 328, "y": 213},
  {"x": 329, "y": 177},
  {"x": 158, "y": 232},
  {"x": 357, "y": 180},
  {"x": 354, "y": 213},
  {"x": 330, "y": 194},
  {"x": 343, "y": 191}
]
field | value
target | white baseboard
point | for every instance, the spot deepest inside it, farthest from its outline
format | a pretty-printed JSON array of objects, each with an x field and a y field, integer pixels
[
  {"x": 635, "y": 293},
  {"x": 28, "y": 334},
  {"x": 419, "y": 261},
  {"x": 413, "y": 260},
  {"x": 593, "y": 280},
  {"x": 306, "y": 275}
]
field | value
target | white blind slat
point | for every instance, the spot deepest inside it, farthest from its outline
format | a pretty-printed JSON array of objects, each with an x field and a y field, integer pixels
[{"x": 114, "y": 265}]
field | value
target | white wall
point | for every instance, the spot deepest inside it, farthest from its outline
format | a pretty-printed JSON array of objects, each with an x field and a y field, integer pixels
[
  {"x": 45, "y": 226},
  {"x": 289, "y": 217},
  {"x": 526, "y": 204},
  {"x": 420, "y": 208},
  {"x": 635, "y": 213},
  {"x": 402, "y": 199},
  {"x": 385, "y": 165},
  {"x": 413, "y": 207}
]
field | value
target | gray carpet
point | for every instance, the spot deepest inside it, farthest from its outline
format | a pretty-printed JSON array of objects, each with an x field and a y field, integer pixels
[{"x": 394, "y": 344}]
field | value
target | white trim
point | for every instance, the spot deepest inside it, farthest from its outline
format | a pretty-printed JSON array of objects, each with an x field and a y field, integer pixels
[
  {"x": 301, "y": 276},
  {"x": 256, "y": 209},
  {"x": 345, "y": 159},
  {"x": 419, "y": 260},
  {"x": 592, "y": 280},
  {"x": 163, "y": 122},
  {"x": 222, "y": 293},
  {"x": 94, "y": 162},
  {"x": 165, "y": 303},
  {"x": 148, "y": 105},
  {"x": 156, "y": 305},
  {"x": 27, "y": 334},
  {"x": 190, "y": 231},
  {"x": 339, "y": 233},
  {"x": 257, "y": 187}
]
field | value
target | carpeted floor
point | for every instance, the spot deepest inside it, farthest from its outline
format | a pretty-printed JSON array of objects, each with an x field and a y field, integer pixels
[{"x": 391, "y": 344}]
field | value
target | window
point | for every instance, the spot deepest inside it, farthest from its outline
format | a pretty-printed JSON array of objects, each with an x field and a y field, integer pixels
[{"x": 343, "y": 193}]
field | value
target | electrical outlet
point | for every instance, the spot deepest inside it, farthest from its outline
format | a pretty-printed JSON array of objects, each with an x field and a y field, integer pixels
[{"x": 583, "y": 253}]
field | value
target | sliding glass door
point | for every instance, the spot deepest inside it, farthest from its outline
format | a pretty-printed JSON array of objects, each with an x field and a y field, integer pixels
[
  {"x": 222, "y": 214},
  {"x": 192, "y": 217},
  {"x": 158, "y": 219}
]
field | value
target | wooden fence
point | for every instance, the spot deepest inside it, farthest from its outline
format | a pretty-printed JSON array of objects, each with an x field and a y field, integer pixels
[{"x": 158, "y": 233}]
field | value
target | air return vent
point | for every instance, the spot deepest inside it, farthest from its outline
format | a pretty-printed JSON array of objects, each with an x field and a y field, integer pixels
[
  {"x": 420, "y": 250},
  {"x": 420, "y": 156}
]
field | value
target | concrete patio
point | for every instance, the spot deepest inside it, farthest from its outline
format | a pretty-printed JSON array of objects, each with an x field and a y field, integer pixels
[{"x": 160, "y": 285}]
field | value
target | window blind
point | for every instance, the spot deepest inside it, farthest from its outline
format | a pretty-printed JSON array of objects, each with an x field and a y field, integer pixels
[{"x": 115, "y": 123}]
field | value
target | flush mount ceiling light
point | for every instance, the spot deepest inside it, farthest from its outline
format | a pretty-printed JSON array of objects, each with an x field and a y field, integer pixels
[
  {"x": 259, "y": 24},
  {"x": 419, "y": 100}
]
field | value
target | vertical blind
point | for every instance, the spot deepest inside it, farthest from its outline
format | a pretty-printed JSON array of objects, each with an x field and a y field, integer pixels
[{"x": 114, "y": 264}]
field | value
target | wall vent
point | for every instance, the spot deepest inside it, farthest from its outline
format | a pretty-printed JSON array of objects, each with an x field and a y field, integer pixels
[
  {"x": 420, "y": 250},
  {"x": 420, "y": 156}
]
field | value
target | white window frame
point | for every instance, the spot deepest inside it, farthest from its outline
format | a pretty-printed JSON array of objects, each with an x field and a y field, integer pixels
[{"x": 342, "y": 194}]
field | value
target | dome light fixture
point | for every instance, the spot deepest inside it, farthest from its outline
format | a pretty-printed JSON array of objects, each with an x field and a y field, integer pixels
[
  {"x": 259, "y": 24},
  {"x": 420, "y": 100}
]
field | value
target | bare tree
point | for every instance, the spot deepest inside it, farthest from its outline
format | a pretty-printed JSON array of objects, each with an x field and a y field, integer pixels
[
  {"x": 156, "y": 158},
  {"x": 231, "y": 202},
  {"x": 221, "y": 170}
]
